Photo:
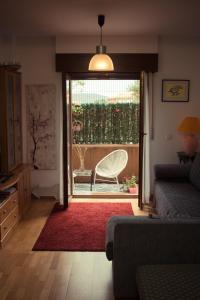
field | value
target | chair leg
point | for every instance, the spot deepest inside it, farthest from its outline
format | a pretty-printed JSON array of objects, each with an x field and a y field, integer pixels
[
  {"x": 118, "y": 183},
  {"x": 73, "y": 183},
  {"x": 95, "y": 177}
]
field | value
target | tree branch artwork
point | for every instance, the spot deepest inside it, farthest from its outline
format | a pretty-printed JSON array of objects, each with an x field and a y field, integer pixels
[
  {"x": 37, "y": 127},
  {"x": 41, "y": 142}
]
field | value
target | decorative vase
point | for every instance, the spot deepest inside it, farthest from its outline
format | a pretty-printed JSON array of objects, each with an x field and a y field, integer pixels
[
  {"x": 133, "y": 190},
  {"x": 81, "y": 151},
  {"x": 82, "y": 165}
]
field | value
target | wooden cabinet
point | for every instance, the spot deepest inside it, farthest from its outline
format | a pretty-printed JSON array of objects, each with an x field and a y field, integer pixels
[
  {"x": 15, "y": 206},
  {"x": 9, "y": 216},
  {"x": 10, "y": 119},
  {"x": 24, "y": 188},
  {"x": 10, "y": 203}
]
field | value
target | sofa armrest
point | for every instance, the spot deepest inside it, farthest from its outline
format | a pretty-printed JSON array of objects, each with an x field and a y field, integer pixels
[
  {"x": 144, "y": 241},
  {"x": 111, "y": 225},
  {"x": 172, "y": 172}
]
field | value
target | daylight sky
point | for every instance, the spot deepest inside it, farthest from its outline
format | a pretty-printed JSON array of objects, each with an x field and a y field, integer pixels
[{"x": 104, "y": 87}]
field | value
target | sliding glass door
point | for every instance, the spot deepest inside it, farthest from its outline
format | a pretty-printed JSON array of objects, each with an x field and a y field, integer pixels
[
  {"x": 78, "y": 135},
  {"x": 105, "y": 118}
]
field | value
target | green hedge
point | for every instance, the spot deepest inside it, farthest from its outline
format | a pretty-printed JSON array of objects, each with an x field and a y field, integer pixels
[{"x": 108, "y": 124}]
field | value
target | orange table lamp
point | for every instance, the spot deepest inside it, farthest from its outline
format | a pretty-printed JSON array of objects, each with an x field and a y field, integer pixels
[{"x": 190, "y": 129}]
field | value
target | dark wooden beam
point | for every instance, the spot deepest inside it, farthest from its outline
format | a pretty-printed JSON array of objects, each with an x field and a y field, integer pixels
[
  {"x": 105, "y": 76},
  {"x": 123, "y": 62}
]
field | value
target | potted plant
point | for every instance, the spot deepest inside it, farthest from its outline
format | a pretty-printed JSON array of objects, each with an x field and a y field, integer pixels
[{"x": 130, "y": 184}]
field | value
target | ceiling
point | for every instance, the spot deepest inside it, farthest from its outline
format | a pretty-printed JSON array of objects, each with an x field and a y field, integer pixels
[{"x": 79, "y": 17}]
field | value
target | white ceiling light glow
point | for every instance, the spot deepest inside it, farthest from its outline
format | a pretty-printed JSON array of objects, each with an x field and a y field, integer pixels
[{"x": 101, "y": 61}]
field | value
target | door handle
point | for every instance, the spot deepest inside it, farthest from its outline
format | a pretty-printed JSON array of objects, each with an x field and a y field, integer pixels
[{"x": 143, "y": 133}]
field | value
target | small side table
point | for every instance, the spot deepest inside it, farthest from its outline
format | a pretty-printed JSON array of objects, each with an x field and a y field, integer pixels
[
  {"x": 87, "y": 173},
  {"x": 184, "y": 157}
]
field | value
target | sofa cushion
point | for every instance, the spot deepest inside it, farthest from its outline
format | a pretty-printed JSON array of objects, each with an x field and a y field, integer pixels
[
  {"x": 177, "y": 199},
  {"x": 169, "y": 282},
  {"x": 195, "y": 172}
]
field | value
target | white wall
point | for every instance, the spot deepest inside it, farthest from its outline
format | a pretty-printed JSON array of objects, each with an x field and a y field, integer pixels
[
  {"x": 178, "y": 59},
  {"x": 114, "y": 44},
  {"x": 7, "y": 49},
  {"x": 37, "y": 58}
]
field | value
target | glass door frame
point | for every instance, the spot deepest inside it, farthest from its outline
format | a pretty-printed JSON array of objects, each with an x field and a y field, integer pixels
[
  {"x": 66, "y": 138},
  {"x": 98, "y": 76}
]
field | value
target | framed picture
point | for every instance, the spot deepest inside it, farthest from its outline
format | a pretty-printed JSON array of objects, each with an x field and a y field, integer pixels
[{"x": 175, "y": 90}]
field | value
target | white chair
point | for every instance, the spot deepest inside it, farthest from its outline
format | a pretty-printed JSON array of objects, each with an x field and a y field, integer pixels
[{"x": 111, "y": 166}]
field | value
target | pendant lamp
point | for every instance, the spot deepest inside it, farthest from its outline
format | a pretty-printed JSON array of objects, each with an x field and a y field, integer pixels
[{"x": 101, "y": 61}]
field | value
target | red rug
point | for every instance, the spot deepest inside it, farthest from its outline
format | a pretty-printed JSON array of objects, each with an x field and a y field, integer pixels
[{"x": 79, "y": 228}]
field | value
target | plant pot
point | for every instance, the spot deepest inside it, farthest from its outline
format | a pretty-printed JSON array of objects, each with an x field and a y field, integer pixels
[{"x": 133, "y": 190}]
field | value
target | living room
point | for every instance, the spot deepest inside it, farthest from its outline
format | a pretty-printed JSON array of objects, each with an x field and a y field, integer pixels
[
  {"x": 178, "y": 57},
  {"x": 162, "y": 31}
]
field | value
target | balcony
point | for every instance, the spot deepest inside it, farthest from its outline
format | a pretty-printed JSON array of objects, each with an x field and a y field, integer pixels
[{"x": 92, "y": 155}]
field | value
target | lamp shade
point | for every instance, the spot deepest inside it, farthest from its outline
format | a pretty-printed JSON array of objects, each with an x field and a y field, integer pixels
[
  {"x": 190, "y": 125},
  {"x": 101, "y": 62}
]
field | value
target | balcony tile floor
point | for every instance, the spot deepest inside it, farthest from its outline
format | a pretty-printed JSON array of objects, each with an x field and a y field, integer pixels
[{"x": 84, "y": 188}]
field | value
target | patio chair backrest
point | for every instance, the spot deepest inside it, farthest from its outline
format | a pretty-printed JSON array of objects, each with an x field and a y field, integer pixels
[{"x": 114, "y": 162}]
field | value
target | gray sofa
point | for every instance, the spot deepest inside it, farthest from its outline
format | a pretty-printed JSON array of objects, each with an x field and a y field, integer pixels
[
  {"x": 177, "y": 190},
  {"x": 135, "y": 241}
]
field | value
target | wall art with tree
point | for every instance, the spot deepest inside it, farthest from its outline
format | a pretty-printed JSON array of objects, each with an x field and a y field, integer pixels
[{"x": 41, "y": 136}]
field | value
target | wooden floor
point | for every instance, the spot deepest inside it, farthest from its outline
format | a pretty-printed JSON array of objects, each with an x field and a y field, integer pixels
[{"x": 29, "y": 275}]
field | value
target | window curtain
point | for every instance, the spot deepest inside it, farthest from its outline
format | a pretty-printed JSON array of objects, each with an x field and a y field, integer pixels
[
  {"x": 61, "y": 187},
  {"x": 148, "y": 135}
]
